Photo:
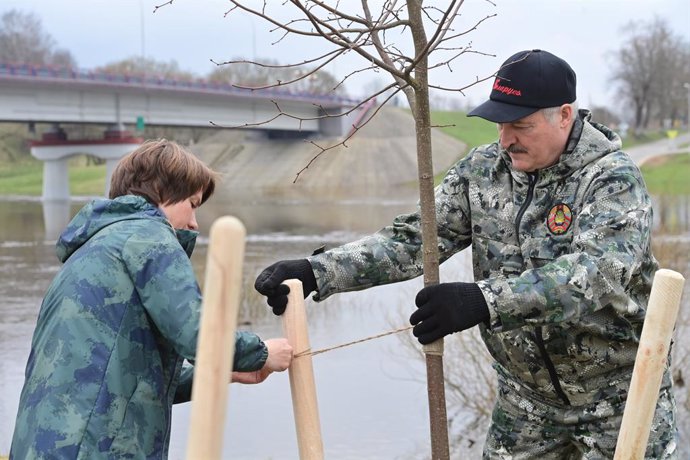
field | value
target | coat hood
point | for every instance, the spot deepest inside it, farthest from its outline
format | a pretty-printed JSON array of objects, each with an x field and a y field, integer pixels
[{"x": 101, "y": 213}]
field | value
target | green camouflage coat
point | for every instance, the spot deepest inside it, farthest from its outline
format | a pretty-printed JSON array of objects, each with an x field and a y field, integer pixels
[
  {"x": 112, "y": 333},
  {"x": 562, "y": 257}
]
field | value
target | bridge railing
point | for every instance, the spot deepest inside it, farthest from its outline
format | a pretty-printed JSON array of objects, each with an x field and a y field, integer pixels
[{"x": 30, "y": 71}]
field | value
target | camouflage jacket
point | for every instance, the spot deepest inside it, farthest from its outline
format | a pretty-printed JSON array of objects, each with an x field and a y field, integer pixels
[
  {"x": 112, "y": 333},
  {"x": 561, "y": 255}
]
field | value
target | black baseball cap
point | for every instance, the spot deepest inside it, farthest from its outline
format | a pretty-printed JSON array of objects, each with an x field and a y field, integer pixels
[{"x": 526, "y": 82}]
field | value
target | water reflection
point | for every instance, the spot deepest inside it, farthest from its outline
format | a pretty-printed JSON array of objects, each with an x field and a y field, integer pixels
[
  {"x": 671, "y": 213},
  {"x": 56, "y": 216}
]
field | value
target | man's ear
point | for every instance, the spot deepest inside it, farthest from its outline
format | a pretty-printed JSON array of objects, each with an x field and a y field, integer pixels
[{"x": 567, "y": 114}]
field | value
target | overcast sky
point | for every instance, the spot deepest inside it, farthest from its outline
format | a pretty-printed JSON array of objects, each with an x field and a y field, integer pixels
[{"x": 192, "y": 32}]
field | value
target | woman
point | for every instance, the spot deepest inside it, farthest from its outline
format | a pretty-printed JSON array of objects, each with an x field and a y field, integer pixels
[{"x": 122, "y": 315}]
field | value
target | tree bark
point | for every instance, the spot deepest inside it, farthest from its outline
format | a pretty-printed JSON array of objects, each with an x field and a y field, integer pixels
[{"x": 438, "y": 419}]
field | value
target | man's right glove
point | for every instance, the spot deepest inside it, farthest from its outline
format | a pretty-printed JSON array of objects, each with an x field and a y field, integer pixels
[
  {"x": 269, "y": 282},
  {"x": 446, "y": 308}
]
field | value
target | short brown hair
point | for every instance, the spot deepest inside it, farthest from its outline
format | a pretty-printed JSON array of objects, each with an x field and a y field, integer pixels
[{"x": 163, "y": 172}]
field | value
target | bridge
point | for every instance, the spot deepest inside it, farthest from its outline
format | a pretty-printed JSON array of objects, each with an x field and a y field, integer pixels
[
  {"x": 39, "y": 94},
  {"x": 62, "y": 95}
]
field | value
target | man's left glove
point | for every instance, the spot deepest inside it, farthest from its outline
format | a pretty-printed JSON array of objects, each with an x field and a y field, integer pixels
[
  {"x": 446, "y": 308},
  {"x": 269, "y": 282}
]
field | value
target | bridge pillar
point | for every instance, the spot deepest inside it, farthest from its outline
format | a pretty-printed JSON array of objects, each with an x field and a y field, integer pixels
[
  {"x": 55, "y": 180},
  {"x": 55, "y": 150}
]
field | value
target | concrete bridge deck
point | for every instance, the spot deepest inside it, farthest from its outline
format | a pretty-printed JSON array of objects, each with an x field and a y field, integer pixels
[{"x": 59, "y": 95}]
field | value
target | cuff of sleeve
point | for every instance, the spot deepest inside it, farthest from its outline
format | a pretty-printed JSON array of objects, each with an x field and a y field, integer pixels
[
  {"x": 264, "y": 354},
  {"x": 491, "y": 299},
  {"x": 316, "y": 268}
]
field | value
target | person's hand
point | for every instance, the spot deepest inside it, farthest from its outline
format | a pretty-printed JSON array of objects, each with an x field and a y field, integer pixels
[
  {"x": 268, "y": 282},
  {"x": 446, "y": 308},
  {"x": 279, "y": 359},
  {"x": 279, "y": 355}
]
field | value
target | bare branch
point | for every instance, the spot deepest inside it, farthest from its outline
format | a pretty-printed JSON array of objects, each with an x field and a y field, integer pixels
[
  {"x": 457, "y": 55},
  {"x": 341, "y": 40},
  {"x": 424, "y": 53},
  {"x": 471, "y": 29},
  {"x": 169, "y": 2},
  {"x": 302, "y": 119},
  {"x": 444, "y": 25},
  {"x": 262, "y": 14},
  {"x": 280, "y": 66},
  {"x": 355, "y": 129},
  {"x": 327, "y": 60},
  {"x": 378, "y": 45}
]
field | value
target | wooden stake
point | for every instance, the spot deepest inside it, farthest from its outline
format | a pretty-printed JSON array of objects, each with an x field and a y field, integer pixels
[
  {"x": 216, "y": 343},
  {"x": 302, "y": 387},
  {"x": 651, "y": 359}
]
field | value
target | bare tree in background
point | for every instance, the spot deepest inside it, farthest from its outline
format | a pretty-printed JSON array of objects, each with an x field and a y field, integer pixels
[
  {"x": 650, "y": 70},
  {"x": 142, "y": 66},
  {"x": 399, "y": 38},
  {"x": 23, "y": 41}
]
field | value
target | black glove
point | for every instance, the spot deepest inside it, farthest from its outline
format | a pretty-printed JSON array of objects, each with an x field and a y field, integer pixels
[
  {"x": 268, "y": 282},
  {"x": 446, "y": 308}
]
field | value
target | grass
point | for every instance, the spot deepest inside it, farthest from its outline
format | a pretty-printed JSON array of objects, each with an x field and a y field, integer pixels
[
  {"x": 631, "y": 141},
  {"x": 668, "y": 175},
  {"x": 25, "y": 177},
  {"x": 472, "y": 131}
]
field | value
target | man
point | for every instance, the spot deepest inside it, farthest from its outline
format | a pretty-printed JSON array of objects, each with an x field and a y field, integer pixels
[{"x": 559, "y": 223}]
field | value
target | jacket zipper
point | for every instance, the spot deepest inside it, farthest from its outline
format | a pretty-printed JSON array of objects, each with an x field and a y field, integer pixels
[
  {"x": 550, "y": 367},
  {"x": 532, "y": 177},
  {"x": 553, "y": 376}
]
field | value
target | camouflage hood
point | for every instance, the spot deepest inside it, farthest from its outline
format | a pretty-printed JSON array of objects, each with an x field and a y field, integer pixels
[{"x": 101, "y": 213}]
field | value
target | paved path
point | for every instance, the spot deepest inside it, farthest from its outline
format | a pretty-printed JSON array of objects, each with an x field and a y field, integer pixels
[{"x": 642, "y": 153}]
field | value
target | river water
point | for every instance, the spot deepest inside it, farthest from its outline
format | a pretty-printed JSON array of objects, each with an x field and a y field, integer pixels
[{"x": 371, "y": 396}]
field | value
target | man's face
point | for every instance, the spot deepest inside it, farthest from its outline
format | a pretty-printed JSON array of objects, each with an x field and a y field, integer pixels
[{"x": 535, "y": 142}]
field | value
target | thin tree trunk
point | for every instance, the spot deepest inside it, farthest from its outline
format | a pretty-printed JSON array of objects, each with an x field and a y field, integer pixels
[{"x": 438, "y": 419}]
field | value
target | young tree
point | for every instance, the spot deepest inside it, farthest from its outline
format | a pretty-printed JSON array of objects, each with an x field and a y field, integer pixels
[{"x": 405, "y": 40}]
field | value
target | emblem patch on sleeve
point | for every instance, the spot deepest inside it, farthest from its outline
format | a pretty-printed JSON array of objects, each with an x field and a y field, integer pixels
[{"x": 559, "y": 219}]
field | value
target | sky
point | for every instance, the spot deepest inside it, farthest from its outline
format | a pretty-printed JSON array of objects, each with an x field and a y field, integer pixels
[{"x": 193, "y": 32}]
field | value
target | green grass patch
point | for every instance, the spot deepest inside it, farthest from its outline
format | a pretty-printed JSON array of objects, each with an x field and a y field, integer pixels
[
  {"x": 87, "y": 180},
  {"x": 668, "y": 175},
  {"x": 472, "y": 131},
  {"x": 25, "y": 177},
  {"x": 644, "y": 138},
  {"x": 21, "y": 178}
]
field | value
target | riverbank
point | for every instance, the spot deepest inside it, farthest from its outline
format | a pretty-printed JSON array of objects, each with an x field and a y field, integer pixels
[{"x": 382, "y": 156}]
